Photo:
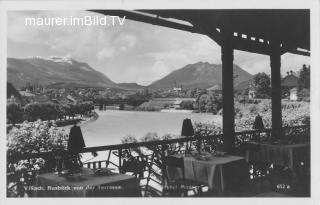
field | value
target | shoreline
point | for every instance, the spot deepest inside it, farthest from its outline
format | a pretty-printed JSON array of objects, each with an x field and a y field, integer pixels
[
  {"x": 90, "y": 119},
  {"x": 85, "y": 121}
]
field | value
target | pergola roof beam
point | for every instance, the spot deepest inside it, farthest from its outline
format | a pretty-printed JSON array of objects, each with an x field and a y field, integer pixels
[
  {"x": 291, "y": 27},
  {"x": 155, "y": 20}
]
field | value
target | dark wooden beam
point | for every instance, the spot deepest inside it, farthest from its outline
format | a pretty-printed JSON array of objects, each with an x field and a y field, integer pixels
[
  {"x": 275, "y": 63},
  {"x": 136, "y": 16},
  {"x": 251, "y": 46},
  {"x": 298, "y": 52},
  {"x": 227, "y": 90}
]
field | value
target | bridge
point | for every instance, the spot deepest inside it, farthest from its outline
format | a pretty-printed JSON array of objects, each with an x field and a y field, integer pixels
[{"x": 132, "y": 102}]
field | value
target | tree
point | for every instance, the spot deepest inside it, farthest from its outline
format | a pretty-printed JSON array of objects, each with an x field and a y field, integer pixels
[
  {"x": 261, "y": 84},
  {"x": 202, "y": 102},
  {"x": 14, "y": 112},
  {"x": 64, "y": 111},
  {"x": 304, "y": 78},
  {"x": 33, "y": 111},
  {"x": 187, "y": 105},
  {"x": 74, "y": 109},
  {"x": 49, "y": 111}
]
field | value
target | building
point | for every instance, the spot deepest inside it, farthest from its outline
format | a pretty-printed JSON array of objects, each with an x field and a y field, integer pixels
[
  {"x": 71, "y": 99},
  {"x": 26, "y": 94},
  {"x": 294, "y": 94},
  {"x": 288, "y": 84},
  {"x": 290, "y": 81}
]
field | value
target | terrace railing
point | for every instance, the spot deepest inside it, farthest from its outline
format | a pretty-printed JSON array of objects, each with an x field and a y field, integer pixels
[{"x": 151, "y": 153}]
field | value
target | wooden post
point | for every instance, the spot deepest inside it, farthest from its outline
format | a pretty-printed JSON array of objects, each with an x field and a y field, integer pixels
[
  {"x": 275, "y": 64},
  {"x": 227, "y": 91},
  {"x": 120, "y": 155}
]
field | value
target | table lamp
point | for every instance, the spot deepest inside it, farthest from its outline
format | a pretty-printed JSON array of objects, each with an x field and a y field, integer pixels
[
  {"x": 187, "y": 130},
  {"x": 75, "y": 146}
]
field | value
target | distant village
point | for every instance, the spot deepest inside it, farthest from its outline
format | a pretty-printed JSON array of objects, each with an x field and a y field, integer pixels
[{"x": 177, "y": 97}]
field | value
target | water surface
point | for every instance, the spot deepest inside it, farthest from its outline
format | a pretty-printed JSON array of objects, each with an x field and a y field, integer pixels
[{"x": 113, "y": 125}]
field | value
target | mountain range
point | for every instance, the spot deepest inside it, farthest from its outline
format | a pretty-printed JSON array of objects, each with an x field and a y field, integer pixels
[
  {"x": 67, "y": 72},
  {"x": 200, "y": 75},
  {"x": 47, "y": 71}
]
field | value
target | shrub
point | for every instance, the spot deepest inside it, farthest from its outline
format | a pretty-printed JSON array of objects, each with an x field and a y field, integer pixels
[
  {"x": 14, "y": 112},
  {"x": 32, "y": 137}
]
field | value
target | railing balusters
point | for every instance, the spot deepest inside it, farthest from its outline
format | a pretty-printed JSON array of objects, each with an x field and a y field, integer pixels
[
  {"x": 159, "y": 149},
  {"x": 162, "y": 158}
]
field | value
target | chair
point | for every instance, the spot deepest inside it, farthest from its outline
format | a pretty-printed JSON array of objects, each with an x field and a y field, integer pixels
[
  {"x": 180, "y": 186},
  {"x": 135, "y": 166}
]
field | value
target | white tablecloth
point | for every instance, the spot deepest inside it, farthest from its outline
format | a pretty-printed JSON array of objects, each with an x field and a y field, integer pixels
[
  {"x": 214, "y": 172},
  {"x": 288, "y": 155},
  {"x": 88, "y": 185}
]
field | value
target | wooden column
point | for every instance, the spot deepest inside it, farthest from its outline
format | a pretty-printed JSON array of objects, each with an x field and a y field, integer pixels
[
  {"x": 275, "y": 63},
  {"x": 227, "y": 91}
]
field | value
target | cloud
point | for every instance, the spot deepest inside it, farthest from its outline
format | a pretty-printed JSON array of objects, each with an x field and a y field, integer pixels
[
  {"x": 105, "y": 53},
  {"x": 127, "y": 40},
  {"x": 133, "y": 52}
]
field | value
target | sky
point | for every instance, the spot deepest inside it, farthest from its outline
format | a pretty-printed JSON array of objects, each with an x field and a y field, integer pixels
[{"x": 134, "y": 52}]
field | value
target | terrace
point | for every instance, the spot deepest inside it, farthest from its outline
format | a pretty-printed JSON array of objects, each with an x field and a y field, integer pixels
[{"x": 147, "y": 162}]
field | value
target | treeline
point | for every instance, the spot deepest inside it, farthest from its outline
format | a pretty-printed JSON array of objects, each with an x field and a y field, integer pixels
[
  {"x": 209, "y": 103},
  {"x": 46, "y": 111},
  {"x": 261, "y": 83}
]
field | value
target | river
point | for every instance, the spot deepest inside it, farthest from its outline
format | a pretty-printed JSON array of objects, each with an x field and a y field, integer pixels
[{"x": 113, "y": 125}]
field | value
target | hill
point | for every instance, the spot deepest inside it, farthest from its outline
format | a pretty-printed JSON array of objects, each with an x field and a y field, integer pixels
[
  {"x": 201, "y": 75},
  {"x": 54, "y": 70},
  {"x": 12, "y": 91}
]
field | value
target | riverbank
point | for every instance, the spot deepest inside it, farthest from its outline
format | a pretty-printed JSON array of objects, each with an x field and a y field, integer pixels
[
  {"x": 92, "y": 118},
  {"x": 84, "y": 120}
]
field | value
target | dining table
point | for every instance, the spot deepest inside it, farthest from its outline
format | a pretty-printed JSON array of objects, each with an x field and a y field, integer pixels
[
  {"x": 282, "y": 154},
  {"x": 219, "y": 173},
  {"x": 85, "y": 184}
]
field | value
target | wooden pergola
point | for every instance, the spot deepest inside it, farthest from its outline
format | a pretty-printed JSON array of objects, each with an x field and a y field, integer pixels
[{"x": 267, "y": 32}]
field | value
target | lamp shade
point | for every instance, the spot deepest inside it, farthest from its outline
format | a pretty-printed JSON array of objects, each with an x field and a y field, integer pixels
[
  {"x": 258, "y": 123},
  {"x": 76, "y": 141},
  {"x": 187, "y": 128}
]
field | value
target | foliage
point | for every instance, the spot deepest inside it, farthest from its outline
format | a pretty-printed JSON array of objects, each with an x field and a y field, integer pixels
[
  {"x": 31, "y": 137},
  {"x": 293, "y": 113},
  {"x": 304, "y": 95},
  {"x": 129, "y": 139},
  {"x": 209, "y": 103},
  {"x": 207, "y": 129},
  {"x": 304, "y": 78},
  {"x": 14, "y": 112},
  {"x": 150, "y": 136},
  {"x": 304, "y": 84},
  {"x": 261, "y": 84},
  {"x": 187, "y": 105},
  {"x": 52, "y": 111},
  {"x": 36, "y": 137}
]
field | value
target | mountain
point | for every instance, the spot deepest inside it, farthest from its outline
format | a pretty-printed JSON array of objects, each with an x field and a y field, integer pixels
[
  {"x": 131, "y": 86},
  {"x": 54, "y": 70},
  {"x": 12, "y": 91},
  {"x": 243, "y": 85},
  {"x": 200, "y": 75}
]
